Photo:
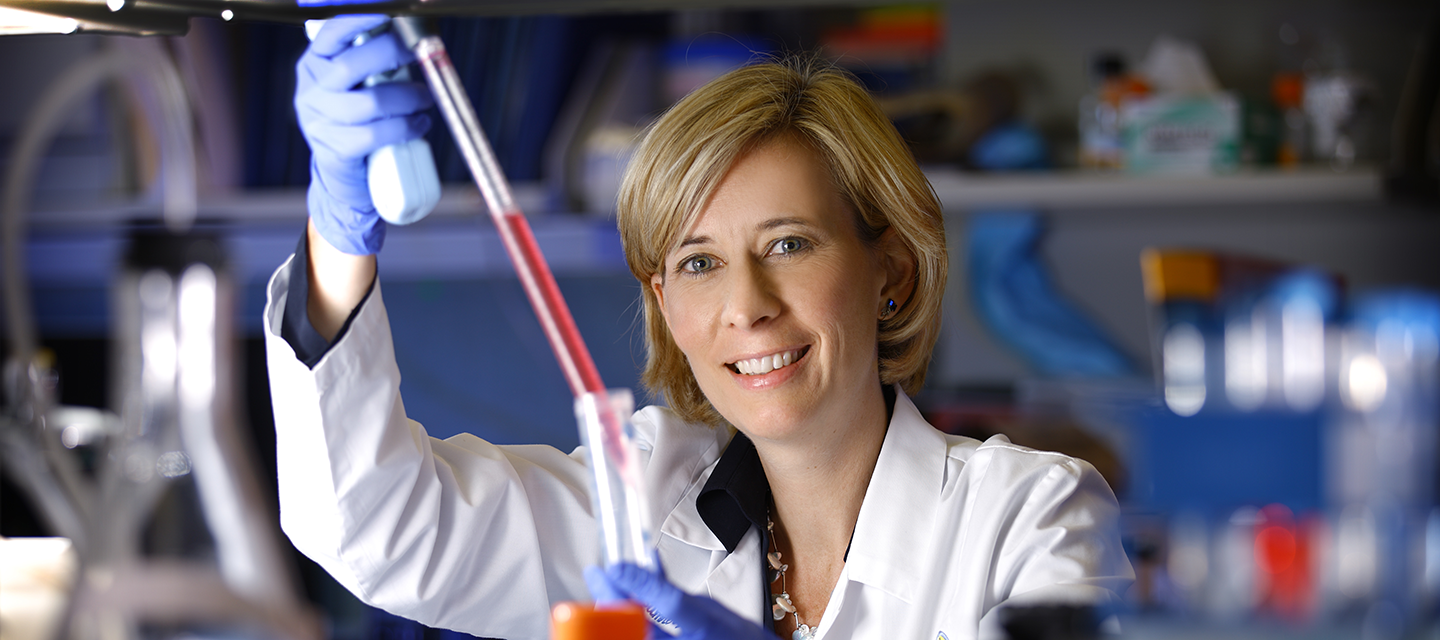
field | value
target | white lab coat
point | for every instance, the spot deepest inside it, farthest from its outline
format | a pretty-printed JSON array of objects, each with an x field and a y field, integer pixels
[{"x": 480, "y": 538}]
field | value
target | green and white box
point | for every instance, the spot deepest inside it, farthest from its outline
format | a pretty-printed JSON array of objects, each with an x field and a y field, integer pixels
[{"x": 1181, "y": 134}]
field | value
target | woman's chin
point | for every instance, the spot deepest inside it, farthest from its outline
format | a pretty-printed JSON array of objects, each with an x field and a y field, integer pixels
[{"x": 777, "y": 417}]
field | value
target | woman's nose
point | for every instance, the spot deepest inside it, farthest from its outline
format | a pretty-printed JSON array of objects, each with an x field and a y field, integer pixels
[{"x": 751, "y": 297}]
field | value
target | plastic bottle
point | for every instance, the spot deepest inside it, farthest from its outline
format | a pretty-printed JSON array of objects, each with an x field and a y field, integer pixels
[
  {"x": 1100, "y": 143},
  {"x": 1288, "y": 91},
  {"x": 1382, "y": 462},
  {"x": 587, "y": 621}
]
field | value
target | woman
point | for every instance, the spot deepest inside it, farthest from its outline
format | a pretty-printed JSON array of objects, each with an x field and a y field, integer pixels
[{"x": 792, "y": 259}]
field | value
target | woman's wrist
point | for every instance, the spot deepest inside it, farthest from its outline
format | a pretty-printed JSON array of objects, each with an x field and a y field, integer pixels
[{"x": 338, "y": 282}]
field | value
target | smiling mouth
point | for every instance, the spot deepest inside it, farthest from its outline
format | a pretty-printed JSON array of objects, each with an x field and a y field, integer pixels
[{"x": 766, "y": 364}]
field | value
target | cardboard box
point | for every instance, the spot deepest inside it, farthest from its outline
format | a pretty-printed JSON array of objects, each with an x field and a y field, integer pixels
[{"x": 1196, "y": 135}]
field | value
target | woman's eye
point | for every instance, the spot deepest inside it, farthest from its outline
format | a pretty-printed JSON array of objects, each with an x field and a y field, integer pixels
[
  {"x": 697, "y": 264},
  {"x": 785, "y": 246}
]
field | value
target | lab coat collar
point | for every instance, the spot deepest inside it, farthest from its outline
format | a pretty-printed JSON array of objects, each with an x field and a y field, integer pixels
[
  {"x": 895, "y": 529},
  {"x": 737, "y": 495},
  {"x": 685, "y": 524},
  {"x": 734, "y": 578}
]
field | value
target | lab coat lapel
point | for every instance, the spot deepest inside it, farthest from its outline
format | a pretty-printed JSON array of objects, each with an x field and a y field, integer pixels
[
  {"x": 733, "y": 579},
  {"x": 895, "y": 530},
  {"x": 736, "y": 581},
  {"x": 685, "y": 525},
  {"x": 692, "y": 452}
]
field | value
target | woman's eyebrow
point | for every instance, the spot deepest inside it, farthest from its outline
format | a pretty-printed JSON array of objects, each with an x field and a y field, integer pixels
[
  {"x": 775, "y": 223},
  {"x": 693, "y": 240}
]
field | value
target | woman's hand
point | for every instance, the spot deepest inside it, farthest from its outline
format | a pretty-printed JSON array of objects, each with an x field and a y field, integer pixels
[
  {"x": 344, "y": 122},
  {"x": 698, "y": 617}
]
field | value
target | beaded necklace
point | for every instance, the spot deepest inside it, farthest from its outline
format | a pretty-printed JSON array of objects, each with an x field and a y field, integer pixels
[{"x": 783, "y": 605}]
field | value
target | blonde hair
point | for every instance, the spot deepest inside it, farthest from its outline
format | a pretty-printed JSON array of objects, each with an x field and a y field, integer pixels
[{"x": 688, "y": 151}]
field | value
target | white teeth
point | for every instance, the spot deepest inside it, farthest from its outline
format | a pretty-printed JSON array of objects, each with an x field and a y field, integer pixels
[{"x": 766, "y": 364}]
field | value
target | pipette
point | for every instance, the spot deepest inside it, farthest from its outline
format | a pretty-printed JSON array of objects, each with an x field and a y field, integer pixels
[
  {"x": 622, "y": 511},
  {"x": 530, "y": 265}
]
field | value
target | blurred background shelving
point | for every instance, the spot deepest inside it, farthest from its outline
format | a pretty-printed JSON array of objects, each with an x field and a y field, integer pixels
[
  {"x": 1069, "y": 190},
  {"x": 957, "y": 190},
  {"x": 563, "y": 87}
]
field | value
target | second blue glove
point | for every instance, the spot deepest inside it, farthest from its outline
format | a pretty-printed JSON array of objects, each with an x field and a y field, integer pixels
[
  {"x": 344, "y": 123},
  {"x": 698, "y": 617}
]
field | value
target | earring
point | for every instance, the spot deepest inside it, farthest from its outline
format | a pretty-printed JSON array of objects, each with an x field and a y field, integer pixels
[{"x": 889, "y": 309}]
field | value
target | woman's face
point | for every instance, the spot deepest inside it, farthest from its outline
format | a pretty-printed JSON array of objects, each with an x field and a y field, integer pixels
[{"x": 774, "y": 298}]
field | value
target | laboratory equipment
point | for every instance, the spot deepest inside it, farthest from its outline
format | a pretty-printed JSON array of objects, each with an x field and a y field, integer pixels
[
  {"x": 621, "y": 508},
  {"x": 170, "y": 532},
  {"x": 580, "y": 621},
  {"x": 1325, "y": 412},
  {"x": 1238, "y": 333},
  {"x": 32, "y": 446},
  {"x": 530, "y": 266},
  {"x": 178, "y": 532},
  {"x": 1288, "y": 91},
  {"x": 1338, "y": 105},
  {"x": 1099, "y": 121},
  {"x": 1181, "y": 287},
  {"x": 1381, "y": 465},
  {"x": 600, "y": 408},
  {"x": 404, "y": 184}
]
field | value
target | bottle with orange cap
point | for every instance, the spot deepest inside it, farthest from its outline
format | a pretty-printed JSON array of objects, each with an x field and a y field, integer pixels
[
  {"x": 590, "y": 621},
  {"x": 1288, "y": 91}
]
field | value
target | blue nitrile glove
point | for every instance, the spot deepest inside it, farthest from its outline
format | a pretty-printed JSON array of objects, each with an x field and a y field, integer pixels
[
  {"x": 698, "y": 617},
  {"x": 1015, "y": 296},
  {"x": 344, "y": 123}
]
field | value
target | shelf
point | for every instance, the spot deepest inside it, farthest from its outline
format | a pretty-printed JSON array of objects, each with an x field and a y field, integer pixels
[
  {"x": 456, "y": 240},
  {"x": 261, "y": 206},
  {"x": 81, "y": 242},
  {"x": 1077, "y": 190},
  {"x": 958, "y": 191},
  {"x": 74, "y": 249}
]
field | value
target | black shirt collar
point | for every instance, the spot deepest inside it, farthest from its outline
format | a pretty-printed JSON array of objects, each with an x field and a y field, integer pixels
[{"x": 737, "y": 495}]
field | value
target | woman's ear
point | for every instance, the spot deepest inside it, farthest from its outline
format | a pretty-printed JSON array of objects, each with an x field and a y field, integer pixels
[
  {"x": 899, "y": 265},
  {"x": 657, "y": 286}
]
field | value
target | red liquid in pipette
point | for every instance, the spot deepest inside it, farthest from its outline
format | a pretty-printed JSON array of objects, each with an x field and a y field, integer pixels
[
  {"x": 555, "y": 318},
  {"x": 559, "y": 326},
  {"x": 554, "y": 315}
]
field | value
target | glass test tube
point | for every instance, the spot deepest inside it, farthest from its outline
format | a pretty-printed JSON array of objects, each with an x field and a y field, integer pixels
[
  {"x": 604, "y": 416},
  {"x": 622, "y": 511}
]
